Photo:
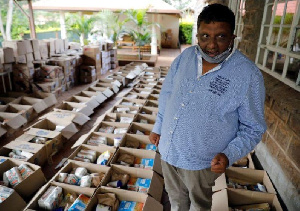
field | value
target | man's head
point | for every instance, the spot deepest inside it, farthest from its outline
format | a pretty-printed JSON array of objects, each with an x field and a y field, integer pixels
[{"x": 216, "y": 25}]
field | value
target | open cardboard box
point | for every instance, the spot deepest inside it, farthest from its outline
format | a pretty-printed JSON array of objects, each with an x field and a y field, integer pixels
[
  {"x": 116, "y": 117},
  {"x": 132, "y": 109},
  {"x": 98, "y": 92},
  {"x": 110, "y": 138},
  {"x": 109, "y": 85},
  {"x": 140, "y": 153},
  {"x": 144, "y": 128},
  {"x": 149, "y": 110},
  {"x": 48, "y": 98},
  {"x": 90, "y": 102},
  {"x": 12, "y": 121},
  {"x": 67, "y": 122},
  {"x": 250, "y": 175},
  {"x": 224, "y": 199},
  {"x": 97, "y": 126},
  {"x": 156, "y": 186},
  {"x": 99, "y": 150},
  {"x": 118, "y": 83},
  {"x": 144, "y": 86},
  {"x": 149, "y": 83},
  {"x": 92, "y": 168},
  {"x": 142, "y": 91},
  {"x": 38, "y": 104},
  {"x": 145, "y": 117},
  {"x": 98, "y": 95},
  {"x": 135, "y": 95},
  {"x": 152, "y": 103},
  {"x": 133, "y": 102},
  {"x": 106, "y": 91},
  {"x": 245, "y": 162},
  {"x": 140, "y": 139},
  {"x": 75, "y": 107},
  {"x": 25, "y": 110},
  {"x": 13, "y": 203},
  {"x": 55, "y": 138},
  {"x": 119, "y": 78},
  {"x": 29, "y": 186},
  {"x": 150, "y": 204},
  {"x": 39, "y": 151},
  {"x": 72, "y": 189}
]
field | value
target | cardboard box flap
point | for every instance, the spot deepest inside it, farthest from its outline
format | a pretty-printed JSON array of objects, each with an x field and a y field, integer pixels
[
  {"x": 117, "y": 83},
  {"x": 69, "y": 131},
  {"x": 108, "y": 92},
  {"x": 13, "y": 203},
  {"x": 43, "y": 133},
  {"x": 81, "y": 119},
  {"x": 220, "y": 201},
  {"x": 24, "y": 145},
  {"x": 115, "y": 88},
  {"x": 13, "y": 120},
  {"x": 37, "y": 104},
  {"x": 2, "y": 131},
  {"x": 80, "y": 141},
  {"x": 49, "y": 99}
]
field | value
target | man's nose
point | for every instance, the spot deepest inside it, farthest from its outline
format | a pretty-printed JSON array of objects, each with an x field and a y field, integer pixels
[{"x": 212, "y": 44}]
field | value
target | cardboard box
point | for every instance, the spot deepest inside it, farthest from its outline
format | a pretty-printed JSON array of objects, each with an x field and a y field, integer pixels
[
  {"x": 25, "y": 110},
  {"x": 99, "y": 150},
  {"x": 97, "y": 125},
  {"x": 138, "y": 128},
  {"x": 48, "y": 98},
  {"x": 21, "y": 59},
  {"x": 23, "y": 71},
  {"x": 248, "y": 175},
  {"x": 149, "y": 110},
  {"x": 116, "y": 117},
  {"x": 139, "y": 140},
  {"x": 118, "y": 83},
  {"x": 33, "y": 204},
  {"x": 55, "y": 139},
  {"x": 84, "y": 139},
  {"x": 18, "y": 46},
  {"x": 153, "y": 97},
  {"x": 37, "y": 55},
  {"x": 141, "y": 118},
  {"x": 134, "y": 95},
  {"x": 106, "y": 91},
  {"x": 75, "y": 107},
  {"x": 105, "y": 85},
  {"x": 150, "y": 204},
  {"x": 140, "y": 153},
  {"x": 152, "y": 103},
  {"x": 37, "y": 104},
  {"x": 122, "y": 79},
  {"x": 89, "y": 101},
  {"x": 43, "y": 49},
  {"x": 132, "y": 102},
  {"x": 35, "y": 45},
  {"x": 7, "y": 100},
  {"x": 88, "y": 79},
  {"x": 29, "y": 58},
  {"x": 39, "y": 151},
  {"x": 29, "y": 186},
  {"x": 13, "y": 203},
  {"x": 8, "y": 55},
  {"x": 132, "y": 109},
  {"x": 87, "y": 71},
  {"x": 12, "y": 120},
  {"x": 98, "y": 95},
  {"x": 224, "y": 199},
  {"x": 28, "y": 46},
  {"x": 3, "y": 131},
  {"x": 156, "y": 186}
]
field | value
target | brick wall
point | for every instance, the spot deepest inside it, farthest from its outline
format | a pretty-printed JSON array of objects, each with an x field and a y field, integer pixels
[{"x": 279, "y": 150}]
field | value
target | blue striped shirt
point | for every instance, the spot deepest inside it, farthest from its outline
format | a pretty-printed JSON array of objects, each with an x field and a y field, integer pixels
[{"x": 202, "y": 115}]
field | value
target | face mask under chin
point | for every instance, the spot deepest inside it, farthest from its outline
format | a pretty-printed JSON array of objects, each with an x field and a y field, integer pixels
[{"x": 216, "y": 59}]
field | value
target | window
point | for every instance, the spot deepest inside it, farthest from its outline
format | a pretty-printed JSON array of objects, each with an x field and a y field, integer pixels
[
  {"x": 278, "y": 50},
  {"x": 238, "y": 8}
]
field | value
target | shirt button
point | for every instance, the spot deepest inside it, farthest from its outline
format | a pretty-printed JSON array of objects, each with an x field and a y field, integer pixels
[
  {"x": 171, "y": 132},
  {"x": 175, "y": 118},
  {"x": 182, "y": 104},
  {"x": 191, "y": 91}
]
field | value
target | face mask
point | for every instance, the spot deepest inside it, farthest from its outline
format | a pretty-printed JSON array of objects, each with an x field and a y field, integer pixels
[{"x": 216, "y": 59}]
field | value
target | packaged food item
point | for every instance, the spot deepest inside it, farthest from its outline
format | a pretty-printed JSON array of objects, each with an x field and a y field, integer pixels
[
  {"x": 126, "y": 120},
  {"x": 131, "y": 206},
  {"x": 80, "y": 172},
  {"x": 139, "y": 132},
  {"x": 108, "y": 129},
  {"x": 25, "y": 171},
  {"x": 145, "y": 121},
  {"x": 122, "y": 110},
  {"x": 87, "y": 154},
  {"x": 82, "y": 159},
  {"x": 127, "y": 103},
  {"x": 108, "y": 199},
  {"x": 143, "y": 185},
  {"x": 117, "y": 141},
  {"x": 151, "y": 147},
  {"x": 127, "y": 158},
  {"x": 62, "y": 177},
  {"x": 120, "y": 130},
  {"x": 86, "y": 181},
  {"x": 97, "y": 140},
  {"x": 97, "y": 178},
  {"x": 14, "y": 155},
  {"x": 115, "y": 184},
  {"x": 101, "y": 207},
  {"x": 80, "y": 203},
  {"x": 51, "y": 198},
  {"x": 132, "y": 143},
  {"x": 103, "y": 158},
  {"x": 132, "y": 96},
  {"x": 132, "y": 112},
  {"x": 5, "y": 192},
  {"x": 67, "y": 201},
  {"x": 124, "y": 178},
  {"x": 146, "y": 163},
  {"x": 253, "y": 207},
  {"x": 14, "y": 177},
  {"x": 72, "y": 179},
  {"x": 131, "y": 185}
]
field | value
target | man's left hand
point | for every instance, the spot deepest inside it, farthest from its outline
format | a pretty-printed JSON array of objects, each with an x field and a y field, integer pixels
[{"x": 219, "y": 163}]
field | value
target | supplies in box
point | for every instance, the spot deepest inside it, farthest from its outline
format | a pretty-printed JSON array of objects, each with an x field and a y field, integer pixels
[
  {"x": 112, "y": 128},
  {"x": 137, "y": 142}
]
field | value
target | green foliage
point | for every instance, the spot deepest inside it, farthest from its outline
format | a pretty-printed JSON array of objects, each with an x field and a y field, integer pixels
[
  {"x": 185, "y": 33},
  {"x": 80, "y": 24}
]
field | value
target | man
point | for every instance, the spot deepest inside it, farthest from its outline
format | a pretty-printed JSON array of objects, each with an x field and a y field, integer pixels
[{"x": 211, "y": 111}]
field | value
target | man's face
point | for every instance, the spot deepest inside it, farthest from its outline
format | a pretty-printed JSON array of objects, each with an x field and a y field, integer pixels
[{"x": 214, "y": 38}]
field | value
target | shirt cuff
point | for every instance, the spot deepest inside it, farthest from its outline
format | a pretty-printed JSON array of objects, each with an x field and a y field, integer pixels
[
  {"x": 156, "y": 129},
  {"x": 230, "y": 159}
]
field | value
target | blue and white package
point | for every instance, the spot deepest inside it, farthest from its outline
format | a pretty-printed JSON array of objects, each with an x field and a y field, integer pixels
[
  {"x": 143, "y": 184},
  {"x": 147, "y": 163},
  {"x": 151, "y": 147}
]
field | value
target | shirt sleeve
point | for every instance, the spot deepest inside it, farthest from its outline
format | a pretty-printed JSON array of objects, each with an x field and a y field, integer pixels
[
  {"x": 251, "y": 121},
  {"x": 164, "y": 95}
]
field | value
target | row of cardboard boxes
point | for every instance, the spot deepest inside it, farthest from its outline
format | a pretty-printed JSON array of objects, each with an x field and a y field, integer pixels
[{"x": 140, "y": 155}]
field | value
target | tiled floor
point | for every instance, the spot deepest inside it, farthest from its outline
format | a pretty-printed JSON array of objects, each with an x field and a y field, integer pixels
[{"x": 164, "y": 59}]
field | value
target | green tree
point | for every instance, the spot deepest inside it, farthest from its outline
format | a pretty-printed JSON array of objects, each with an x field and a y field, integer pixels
[{"x": 82, "y": 25}]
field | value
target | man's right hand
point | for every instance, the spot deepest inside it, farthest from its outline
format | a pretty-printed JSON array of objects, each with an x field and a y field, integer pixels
[{"x": 154, "y": 138}]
